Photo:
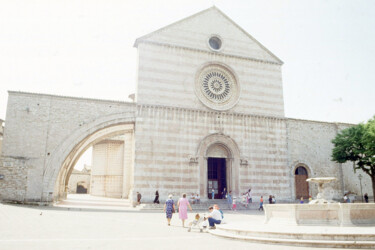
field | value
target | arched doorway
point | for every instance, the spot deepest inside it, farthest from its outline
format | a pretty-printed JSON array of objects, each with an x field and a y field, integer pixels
[
  {"x": 302, "y": 186},
  {"x": 81, "y": 188},
  {"x": 217, "y": 170},
  {"x": 219, "y": 148}
]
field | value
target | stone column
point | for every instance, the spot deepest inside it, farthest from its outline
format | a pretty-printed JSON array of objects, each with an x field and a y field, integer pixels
[
  {"x": 128, "y": 163},
  {"x": 228, "y": 170}
]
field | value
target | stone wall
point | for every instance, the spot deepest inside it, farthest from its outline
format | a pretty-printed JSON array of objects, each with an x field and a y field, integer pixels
[
  {"x": 37, "y": 126},
  {"x": 167, "y": 75},
  {"x": 79, "y": 177},
  {"x": 1, "y": 135},
  {"x": 309, "y": 143},
  {"x": 168, "y": 138}
]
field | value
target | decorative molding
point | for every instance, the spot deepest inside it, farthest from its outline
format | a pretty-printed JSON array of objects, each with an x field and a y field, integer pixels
[
  {"x": 142, "y": 106},
  {"x": 208, "y": 52},
  {"x": 193, "y": 159},
  {"x": 244, "y": 162}
]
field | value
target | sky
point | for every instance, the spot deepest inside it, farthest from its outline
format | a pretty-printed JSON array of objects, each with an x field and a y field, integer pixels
[{"x": 85, "y": 48}]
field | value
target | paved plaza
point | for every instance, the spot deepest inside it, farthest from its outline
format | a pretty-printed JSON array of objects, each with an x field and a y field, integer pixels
[{"x": 27, "y": 227}]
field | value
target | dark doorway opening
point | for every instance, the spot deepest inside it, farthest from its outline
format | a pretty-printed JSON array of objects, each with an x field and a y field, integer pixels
[
  {"x": 81, "y": 189},
  {"x": 302, "y": 186},
  {"x": 217, "y": 176}
]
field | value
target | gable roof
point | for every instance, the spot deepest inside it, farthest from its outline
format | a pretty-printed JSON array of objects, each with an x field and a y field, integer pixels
[{"x": 196, "y": 25}]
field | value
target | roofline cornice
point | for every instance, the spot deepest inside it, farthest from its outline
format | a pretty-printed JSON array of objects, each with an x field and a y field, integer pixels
[
  {"x": 315, "y": 121},
  {"x": 10, "y": 92},
  {"x": 208, "y": 52}
]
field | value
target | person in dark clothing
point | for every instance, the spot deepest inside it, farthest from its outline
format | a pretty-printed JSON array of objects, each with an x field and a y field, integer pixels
[
  {"x": 156, "y": 200},
  {"x": 366, "y": 197},
  {"x": 270, "y": 199},
  {"x": 139, "y": 197}
]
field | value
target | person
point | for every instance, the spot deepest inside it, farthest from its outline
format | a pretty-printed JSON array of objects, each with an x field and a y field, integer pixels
[
  {"x": 183, "y": 205},
  {"x": 301, "y": 200},
  {"x": 246, "y": 199},
  {"x": 198, "y": 199},
  {"x": 213, "y": 194},
  {"x": 345, "y": 198},
  {"x": 250, "y": 196},
  {"x": 216, "y": 206},
  {"x": 261, "y": 204},
  {"x": 156, "y": 200},
  {"x": 139, "y": 197},
  {"x": 224, "y": 194},
  {"x": 229, "y": 199},
  {"x": 310, "y": 198},
  {"x": 366, "y": 197},
  {"x": 270, "y": 199},
  {"x": 192, "y": 198},
  {"x": 234, "y": 205},
  {"x": 214, "y": 217},
  {"x": 273, "y": 199},
  {"x": 169, "y": 209}
]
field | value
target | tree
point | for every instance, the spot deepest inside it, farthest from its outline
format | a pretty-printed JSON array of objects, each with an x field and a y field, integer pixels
[{"x": 357, "y": 144}]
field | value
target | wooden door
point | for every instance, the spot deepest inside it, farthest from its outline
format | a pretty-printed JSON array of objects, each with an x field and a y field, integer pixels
[{"x": 302, "y": 186}]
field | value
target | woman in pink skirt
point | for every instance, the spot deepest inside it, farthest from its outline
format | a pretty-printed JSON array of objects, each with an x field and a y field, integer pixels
[{"x": 182, "y": 205}]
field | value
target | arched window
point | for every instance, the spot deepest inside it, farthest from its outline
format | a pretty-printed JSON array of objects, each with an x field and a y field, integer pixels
[{"x": 300, "y": 171}]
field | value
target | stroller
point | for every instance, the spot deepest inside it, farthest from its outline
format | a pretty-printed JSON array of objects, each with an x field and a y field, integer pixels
[{"x": 198, "y": 222}]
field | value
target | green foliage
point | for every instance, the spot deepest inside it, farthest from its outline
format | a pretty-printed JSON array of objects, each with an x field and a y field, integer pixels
[{"x": 356, "y": 144}]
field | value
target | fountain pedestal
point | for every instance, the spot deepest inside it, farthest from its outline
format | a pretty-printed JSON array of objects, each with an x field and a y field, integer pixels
[{"x": 333, "y": 214}]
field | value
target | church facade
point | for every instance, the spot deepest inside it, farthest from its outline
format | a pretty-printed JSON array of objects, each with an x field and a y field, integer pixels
[{"x": 208, "y": 115}]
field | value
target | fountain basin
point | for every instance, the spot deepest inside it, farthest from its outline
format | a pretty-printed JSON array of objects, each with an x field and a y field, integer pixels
[{"x": 335, "y": 214}]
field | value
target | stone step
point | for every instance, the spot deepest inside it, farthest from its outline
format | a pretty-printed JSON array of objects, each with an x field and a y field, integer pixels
[
  {"x": 290, "y": 234},
  {"x": 203, "y": 206},
  {"x": 296, "y": 241}
]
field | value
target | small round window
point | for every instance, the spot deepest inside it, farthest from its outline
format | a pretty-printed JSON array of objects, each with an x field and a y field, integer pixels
[{"x": 215, "y": 43}]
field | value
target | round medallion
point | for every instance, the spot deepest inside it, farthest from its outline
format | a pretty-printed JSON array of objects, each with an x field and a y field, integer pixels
[{"x": 216, "y": 87}]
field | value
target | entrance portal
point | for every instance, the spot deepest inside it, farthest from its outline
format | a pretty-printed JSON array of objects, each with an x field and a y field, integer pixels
[
  {"x": 302, "y": 186},
  {"x": 217, "y": 177}
]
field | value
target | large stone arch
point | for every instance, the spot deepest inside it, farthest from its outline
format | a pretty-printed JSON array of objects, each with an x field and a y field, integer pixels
[
  {"x": 233, "y": 160},
  {"x": 63, "y": 158}
]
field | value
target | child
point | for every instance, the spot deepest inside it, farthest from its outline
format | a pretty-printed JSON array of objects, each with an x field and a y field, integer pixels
[
  {"x": 261, "y": 204},
  {"x": 195, "y": 221},
  {"x": 234, "y": 205},
  {"x": 301, "y": 200}
]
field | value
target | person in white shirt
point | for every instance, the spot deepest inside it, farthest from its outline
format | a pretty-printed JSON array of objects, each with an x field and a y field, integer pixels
[
  {"x": 198, "y": 198},
  {"x": 214, "y": 217}
]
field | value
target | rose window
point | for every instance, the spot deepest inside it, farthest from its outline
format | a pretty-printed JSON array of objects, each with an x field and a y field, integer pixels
[{"x": 217, "y": 87}]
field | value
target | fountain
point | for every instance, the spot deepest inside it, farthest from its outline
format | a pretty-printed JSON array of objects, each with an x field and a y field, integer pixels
[
  {"x": 321, "y": 223},
  {"x": 321, "y": 210},
  {"x": 320, "y": 198}
]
